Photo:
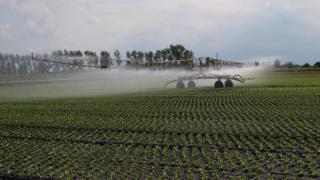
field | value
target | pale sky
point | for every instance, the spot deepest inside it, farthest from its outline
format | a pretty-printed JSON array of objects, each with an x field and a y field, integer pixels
[{"x": 237, "y": 29}]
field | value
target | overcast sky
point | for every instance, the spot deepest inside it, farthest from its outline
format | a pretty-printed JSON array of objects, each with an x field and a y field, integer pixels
[{"x": 237, "y": 29}]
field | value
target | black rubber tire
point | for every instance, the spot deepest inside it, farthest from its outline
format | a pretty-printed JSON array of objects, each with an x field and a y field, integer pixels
[
  {"x": 218, "y": 84},
  {"x": 180, "y": 85},
  {"x": 228, "y": 83},
  {"x": 191, "y": 84}
]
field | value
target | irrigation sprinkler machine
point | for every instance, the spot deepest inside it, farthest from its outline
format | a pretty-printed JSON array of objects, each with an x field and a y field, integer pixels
[
  {"x": 180, "y": 82},
  {"x": 190, "y": 80}
]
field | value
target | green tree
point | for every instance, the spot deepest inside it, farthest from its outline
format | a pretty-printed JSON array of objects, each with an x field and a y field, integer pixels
[
  {"x": 129, "y": 57},
  {"x": 165, "y": 54},
  {"x": 23, "y": 66},
  {"x": 177, "y": 51},
  {"x": 78, "y": 53},
  {"x": 316, "y": 65},
  {"x": 288, "y": 64},
  {"x": 157, "y": 56},
  {"x": 57, "y": 53},
  {"x": 117, "y": 56},
  {"x": 306, "y": 65},
  {"x": 140, "y": 57},
  {"x": 65, "y": 52},
  {"x": 2, "y": 64},
  {"x": 149, "y": 56},
  {"x": 134, "y": 56},
  {"x": 187, "y": 54},
  {"x": 90, "y": 53},
  {"x": 71, "y": 53},
  {"x": 105, "y": 59},
  {"x": 43, "y": 66}
]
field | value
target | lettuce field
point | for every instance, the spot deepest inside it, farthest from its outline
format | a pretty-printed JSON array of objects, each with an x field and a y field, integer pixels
[{"x": 203, "y": 133}]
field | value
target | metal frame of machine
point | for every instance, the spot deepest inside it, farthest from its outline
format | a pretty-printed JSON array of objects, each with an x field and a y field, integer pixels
[{"x": 218, "y": 84}]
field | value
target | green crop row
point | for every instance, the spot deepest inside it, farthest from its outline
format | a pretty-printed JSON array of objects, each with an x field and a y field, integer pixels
[{"x": 187, "y": 134}]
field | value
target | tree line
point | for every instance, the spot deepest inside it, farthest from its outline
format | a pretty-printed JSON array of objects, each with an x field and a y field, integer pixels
[
  {"x": 290, "y": 64},
  {"x": 173, "y": 52},
  {"x": 12, "y": 64}
]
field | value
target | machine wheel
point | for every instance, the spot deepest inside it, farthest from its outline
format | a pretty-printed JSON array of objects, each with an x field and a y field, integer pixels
[
  {"x": 180, "y": 85},
  {"x": 191, "y": 84},
  {"x": 228, "y": 83},
  {"x": 218, "y": 84}
]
